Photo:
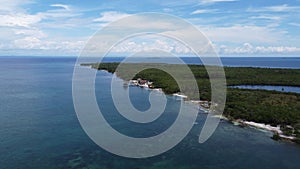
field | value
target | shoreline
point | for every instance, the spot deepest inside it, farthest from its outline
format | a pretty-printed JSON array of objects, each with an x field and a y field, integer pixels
[
  {"x": 238, "y": 122},
  {"x": 266, "y": 127},
  {"x": 205, "y": 105}
]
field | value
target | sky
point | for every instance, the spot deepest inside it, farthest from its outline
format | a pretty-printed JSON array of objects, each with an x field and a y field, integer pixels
[{"x": 235, "y": 27}]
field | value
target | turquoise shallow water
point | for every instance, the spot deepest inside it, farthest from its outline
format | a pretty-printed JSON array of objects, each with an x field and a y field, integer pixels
[{"x": 39, "y": 127}]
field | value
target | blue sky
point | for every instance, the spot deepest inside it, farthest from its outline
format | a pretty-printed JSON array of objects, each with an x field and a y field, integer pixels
[{"x": 235, "y": 27}]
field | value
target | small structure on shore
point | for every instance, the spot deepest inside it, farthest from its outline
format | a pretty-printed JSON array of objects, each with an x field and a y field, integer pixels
[
  {"x": 142, "y": 83},
  {"x": 180, "y": 96}
]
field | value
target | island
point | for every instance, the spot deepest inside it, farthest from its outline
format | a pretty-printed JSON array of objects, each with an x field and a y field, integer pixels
[{"x": 276, "y": 111}]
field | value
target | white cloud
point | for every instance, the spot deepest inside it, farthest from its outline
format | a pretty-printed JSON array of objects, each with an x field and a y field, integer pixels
[
  {"x": 278, "y": 49},
  {"x": 243, "y": 33},
  {"x": 20, "y": 29},
  {"x": 232, "y": 35},
  {"x": 295, "y": 24},
  {"x": 266, "y": 17},
  {"x": 202, "y": 11},
  {"x": 57, "y": 14},
  {"x": 28, "y": 43},
  {"x": 19, "y": 20},
  {"x": 168, "y": 10},
  {"x": 30, "y": 32},
  {"x": 281, "y": 8},
  {"x": 248, "y": 48},
  {"x": 277, "y": 8},
  {"x": 205, "y": 2},
  {"x": 15, "y": 16},
  {"x": 23, "y": 31},
  {"x": 150, "y": 43},
  {"x": 145, "y": 23},
  {"x": 175, "y": 47},
  {"x": 63, "y": 11},
  {"x": 66, "y": 7},
  {"x": 110, "y": 16},
  {"x": 34, "y": 43},
  {"x": 13, "y": 5}
]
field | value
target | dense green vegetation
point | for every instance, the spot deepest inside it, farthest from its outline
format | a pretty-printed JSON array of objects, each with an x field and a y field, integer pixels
[{"x": 270, "y": 107}]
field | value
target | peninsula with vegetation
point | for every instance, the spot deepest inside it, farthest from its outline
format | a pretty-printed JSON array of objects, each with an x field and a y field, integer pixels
[{"x": 275, "y": 110}]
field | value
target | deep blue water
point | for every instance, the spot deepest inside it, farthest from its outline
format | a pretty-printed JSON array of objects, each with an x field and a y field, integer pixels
[{"x": 39, "y": 127}]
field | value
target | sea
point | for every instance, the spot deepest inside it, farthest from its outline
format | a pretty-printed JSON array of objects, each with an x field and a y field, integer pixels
[{"x": 39, "y": 127}]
